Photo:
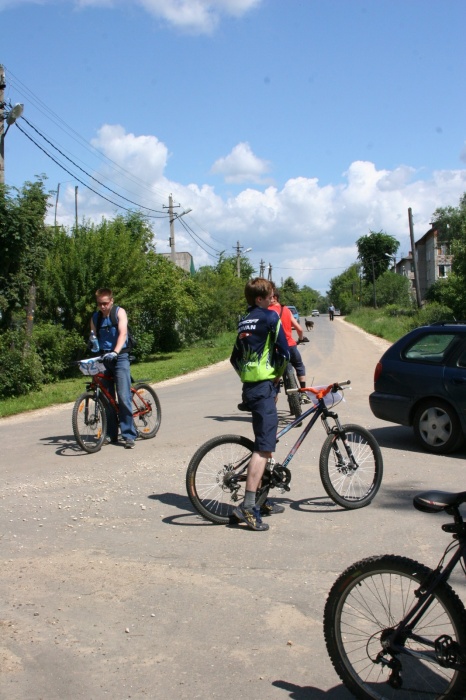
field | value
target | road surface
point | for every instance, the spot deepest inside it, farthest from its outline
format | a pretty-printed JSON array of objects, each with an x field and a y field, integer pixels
[{"x": 112, "y": 587}]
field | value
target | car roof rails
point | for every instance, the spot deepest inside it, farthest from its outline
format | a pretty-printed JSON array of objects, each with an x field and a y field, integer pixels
[{"x": 448, "y": 323}]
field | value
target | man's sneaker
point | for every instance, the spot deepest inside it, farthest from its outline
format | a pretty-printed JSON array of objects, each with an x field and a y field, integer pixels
[
  {"x": 243, "y": 407},
  {"x": 271, "y": 508},
  {"x": 110, "y": 441},
  {"x": 252, "y": 517},
  {"x": 129, "y": 444}
]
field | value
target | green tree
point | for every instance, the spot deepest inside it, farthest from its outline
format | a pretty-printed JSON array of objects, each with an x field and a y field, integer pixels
[
  {"x": 345, "y": 289},
  {"x": 24, "y": 243},
  {"x": 374, "y": 252},
  {"x": 110, "y": 254}
]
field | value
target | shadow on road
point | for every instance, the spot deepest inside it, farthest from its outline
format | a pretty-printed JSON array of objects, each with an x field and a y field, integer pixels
[
  {"x": 66, "y": 445},
  {"x": 308, "y": 692},
  {"x": 401, "y": 437}
]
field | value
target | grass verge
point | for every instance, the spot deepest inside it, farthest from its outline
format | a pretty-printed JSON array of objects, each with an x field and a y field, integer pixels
[{"x": 157, "y": 369}]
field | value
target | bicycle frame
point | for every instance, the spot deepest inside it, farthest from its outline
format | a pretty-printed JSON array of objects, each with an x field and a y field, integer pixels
[
  {"x": 425, "y": 595},
  {"x": 97, "y": 385},
  {"x": 320, "y": 411}
]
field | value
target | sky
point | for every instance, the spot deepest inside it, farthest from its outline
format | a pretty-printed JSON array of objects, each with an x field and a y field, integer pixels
[{"x": 290, "y": 127}]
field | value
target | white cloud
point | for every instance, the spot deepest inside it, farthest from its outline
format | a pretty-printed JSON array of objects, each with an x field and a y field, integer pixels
[
  {"x": 241, "y": 165},
  {"x": 303, "y": 229},
  {"x": 139, "y": 154},
  {"x": 194, "y": 16}
]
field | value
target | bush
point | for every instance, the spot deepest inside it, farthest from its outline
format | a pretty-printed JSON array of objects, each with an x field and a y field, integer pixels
[
  {"x": 20, "y": 371},
  {"x": 57, "y": 349}
]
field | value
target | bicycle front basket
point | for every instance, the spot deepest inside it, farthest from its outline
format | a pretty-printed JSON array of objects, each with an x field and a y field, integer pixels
[
  {"x": 330, "y": 400},
  {"x": 91, "y": 366}
]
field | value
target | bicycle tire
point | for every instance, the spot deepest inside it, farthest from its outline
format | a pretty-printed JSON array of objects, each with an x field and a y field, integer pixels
[
  {"x": 374, "y": 595},
  {"x": 146, "y": 421},
  {"x": 289, "y": 382},
  {"x": 209, "y": 482},
  {"x": 348, "y": 487},
  {"x": 89, "y": 422}
]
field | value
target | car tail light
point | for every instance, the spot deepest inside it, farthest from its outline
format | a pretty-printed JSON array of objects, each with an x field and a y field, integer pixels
[{"x": 377, "y": 371}]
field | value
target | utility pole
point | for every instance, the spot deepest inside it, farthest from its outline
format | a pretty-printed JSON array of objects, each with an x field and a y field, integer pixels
[
  {"x": 262, "y": 268},
  {"x": 413, "y": 248},
  {"x": 373, "y": 283},
  {"x": 239, "y": 249},
  {"x": 269, "y": 276},
  {"x": 2, "y": 124},
  {"x": 76, "y": 207}
]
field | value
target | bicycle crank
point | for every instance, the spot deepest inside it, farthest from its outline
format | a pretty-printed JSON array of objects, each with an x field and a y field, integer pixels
[{"x": 280, "y": 477}]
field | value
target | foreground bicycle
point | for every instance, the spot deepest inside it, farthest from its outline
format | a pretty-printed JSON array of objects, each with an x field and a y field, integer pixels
[
  {"x": 396, "y": 629},
  {"x": 89, "y": 416},
  {"x": 350, "y": 463}
]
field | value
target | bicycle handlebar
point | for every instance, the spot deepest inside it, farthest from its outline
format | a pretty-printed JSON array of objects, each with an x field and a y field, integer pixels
[{"x": 321, "y": 392}]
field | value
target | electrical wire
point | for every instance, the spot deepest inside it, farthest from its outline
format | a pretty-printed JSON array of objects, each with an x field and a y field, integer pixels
[
  {"x": 99, "y": 194},
  {"x": 88, "y": 174}
]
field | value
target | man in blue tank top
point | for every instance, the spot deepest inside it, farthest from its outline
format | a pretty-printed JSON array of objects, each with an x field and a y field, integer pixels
[{"x": 112, "y": 339}]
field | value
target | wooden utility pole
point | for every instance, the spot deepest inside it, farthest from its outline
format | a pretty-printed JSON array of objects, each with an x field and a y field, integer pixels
[
  {"x": 2, "y": 124},
  {"x": 413, "y": 248},
  {"x": 76, "y": 206}
]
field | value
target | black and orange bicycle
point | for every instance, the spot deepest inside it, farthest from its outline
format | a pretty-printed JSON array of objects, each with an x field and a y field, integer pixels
[{"x": 89, "y": 416}]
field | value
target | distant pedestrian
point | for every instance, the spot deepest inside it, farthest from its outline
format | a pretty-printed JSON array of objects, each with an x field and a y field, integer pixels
[{"x": 331, "y": 312}]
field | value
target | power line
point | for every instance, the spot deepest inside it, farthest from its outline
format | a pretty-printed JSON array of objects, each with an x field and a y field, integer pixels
[
  {"x": 115, "y": 204},
  {"x": 88, "y": 174}
]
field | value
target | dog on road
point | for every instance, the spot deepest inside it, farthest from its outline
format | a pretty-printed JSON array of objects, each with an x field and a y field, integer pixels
[{"x": 309, "y": 325}]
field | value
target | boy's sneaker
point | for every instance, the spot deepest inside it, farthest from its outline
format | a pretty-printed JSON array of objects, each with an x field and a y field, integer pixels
[
  {"x": 252, "y": 517},
  {"x": 243, "y": 407},
  {"x": 271, "y": 508},
  {"x": 129, "y": 444},
  {"x": 305, "y": 398}
]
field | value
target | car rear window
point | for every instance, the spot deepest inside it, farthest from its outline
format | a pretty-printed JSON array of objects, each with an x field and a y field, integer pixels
[{"x": 430, "y": 347}]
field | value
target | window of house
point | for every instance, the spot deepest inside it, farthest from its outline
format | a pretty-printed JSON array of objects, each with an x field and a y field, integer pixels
[{"x": 444, "y": 270}]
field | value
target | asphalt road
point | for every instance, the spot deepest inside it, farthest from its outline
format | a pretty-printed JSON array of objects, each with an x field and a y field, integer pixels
[{"x": 112, "y": 587}]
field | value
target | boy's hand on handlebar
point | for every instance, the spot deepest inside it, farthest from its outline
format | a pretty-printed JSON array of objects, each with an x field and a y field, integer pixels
[{"x": 110, "y": 356}]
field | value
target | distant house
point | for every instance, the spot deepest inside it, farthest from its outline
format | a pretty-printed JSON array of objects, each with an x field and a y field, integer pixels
[
  {"x": 405, "y": 267},
  {"x": 183, "y": 260},
  {"x": 433, "y": 260}
]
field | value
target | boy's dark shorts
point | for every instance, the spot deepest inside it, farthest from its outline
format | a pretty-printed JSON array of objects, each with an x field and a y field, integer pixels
[{"x": 260, "y": 397}]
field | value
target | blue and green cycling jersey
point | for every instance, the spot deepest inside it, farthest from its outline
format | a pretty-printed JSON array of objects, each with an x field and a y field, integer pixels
[{"x": 261, "y": 351}]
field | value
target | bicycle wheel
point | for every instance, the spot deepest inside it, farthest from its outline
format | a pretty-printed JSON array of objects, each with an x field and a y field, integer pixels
[
  {"x": 89, "y": 422},
  {"x": 348, "y": 484},
  {"x": 216, "y": 476},
  {"x": 147, "y": 413},
  {"x": 289, "y": 382},
  {"x": 367, "y": 601}
]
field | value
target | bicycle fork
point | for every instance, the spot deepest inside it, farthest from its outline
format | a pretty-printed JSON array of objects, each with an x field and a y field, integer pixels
[{"x": 337, "y": 429}]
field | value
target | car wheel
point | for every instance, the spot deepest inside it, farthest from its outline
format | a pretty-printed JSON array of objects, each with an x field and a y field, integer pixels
[{"x": 437, "y": 428}]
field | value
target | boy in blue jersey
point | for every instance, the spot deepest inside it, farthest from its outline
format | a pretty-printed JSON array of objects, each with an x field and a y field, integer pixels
[{"x": 259, "y": 357}]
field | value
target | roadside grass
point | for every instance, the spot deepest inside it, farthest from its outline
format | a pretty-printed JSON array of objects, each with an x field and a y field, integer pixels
[
  {"x": 392, "y": 322},
  {"x": 156, "y": 369},
  {"x": 379, "y": 323}
]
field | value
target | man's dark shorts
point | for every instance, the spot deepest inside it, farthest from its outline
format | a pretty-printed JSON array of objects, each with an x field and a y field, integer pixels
[{"x": 260, "y": 397}]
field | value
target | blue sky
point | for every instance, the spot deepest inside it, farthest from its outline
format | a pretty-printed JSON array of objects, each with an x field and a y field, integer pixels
[{"x": 293, "y": 127}]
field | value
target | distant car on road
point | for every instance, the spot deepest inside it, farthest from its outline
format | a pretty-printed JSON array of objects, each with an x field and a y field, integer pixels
[
  {"x": 315, "y": 312},
  {"x": 294, "y": 311},
  {"x": 337, "y": 312},
  {"x": 420, "y": 381}
]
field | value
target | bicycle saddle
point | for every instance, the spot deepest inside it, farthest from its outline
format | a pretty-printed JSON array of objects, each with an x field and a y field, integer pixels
[{"x": 436, "y": 501}]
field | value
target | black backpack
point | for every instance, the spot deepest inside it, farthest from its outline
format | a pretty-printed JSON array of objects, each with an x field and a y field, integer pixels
[{"x": 131, "y": 340}]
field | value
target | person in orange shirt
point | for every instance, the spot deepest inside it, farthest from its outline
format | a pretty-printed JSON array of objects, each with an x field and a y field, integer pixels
[{"x": 289, "y": 322}]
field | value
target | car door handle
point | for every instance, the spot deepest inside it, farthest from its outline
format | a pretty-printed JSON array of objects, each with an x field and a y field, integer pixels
[{"x": 459, "y": 380}]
